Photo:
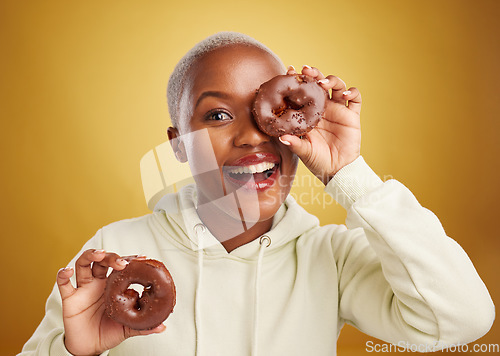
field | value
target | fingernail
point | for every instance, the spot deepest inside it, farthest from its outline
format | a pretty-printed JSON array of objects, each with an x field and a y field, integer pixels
[
  {"x": 122, "y": 262},
  {"x": 347, "y": 92},
  {"x": 98, "y": 251},
  {"x": 306, "y": 66},
  {"x": 66, "y": 269},
  {"x": 290, "y": 67},
  {"x": 284, "y": 142},
  {"x": 323, "y": 81}
]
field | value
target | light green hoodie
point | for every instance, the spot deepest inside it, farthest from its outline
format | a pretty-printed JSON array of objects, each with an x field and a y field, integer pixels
[{"x": 391, "y": 272}]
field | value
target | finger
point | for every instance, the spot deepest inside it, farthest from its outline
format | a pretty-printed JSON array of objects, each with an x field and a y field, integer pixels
[
  {"x": 113, "y": 260},
  {"x": 353, "y": 97},
  {"x": 291, "y": 70},
  {"x": 100, "y": 269},
  {"x": 301, "y": 147},
  {"x": 134, "y": 257},
  {"x": 63, "y": 281},
  {"x": 131, "y": 332},
  {"x": 312, "y": 72},
  {"x": 83, "y": 266},
  {"x": 337, "y": 86}
]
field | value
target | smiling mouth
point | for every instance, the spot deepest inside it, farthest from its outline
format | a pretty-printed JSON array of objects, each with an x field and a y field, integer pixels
[{"x": 261, "y": 173}]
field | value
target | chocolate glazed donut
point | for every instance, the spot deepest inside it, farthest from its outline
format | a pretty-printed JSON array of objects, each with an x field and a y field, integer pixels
[
  {"x": 289, "y": 104},
  {"x": 126, "y": 307}
]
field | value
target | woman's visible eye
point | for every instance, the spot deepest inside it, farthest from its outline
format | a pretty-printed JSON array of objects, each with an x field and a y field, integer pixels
[{"x": 218, "y": 116}]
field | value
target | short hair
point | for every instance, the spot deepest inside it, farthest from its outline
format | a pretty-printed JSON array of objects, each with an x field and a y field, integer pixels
[{"x": 218, "y": 40}]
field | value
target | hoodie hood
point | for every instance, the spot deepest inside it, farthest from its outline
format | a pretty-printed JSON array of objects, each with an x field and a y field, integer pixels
[{"x": 290, "y": 222}]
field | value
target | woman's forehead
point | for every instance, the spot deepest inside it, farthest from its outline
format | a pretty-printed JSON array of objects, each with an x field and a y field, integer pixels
[{"x": 234, "y": 63}]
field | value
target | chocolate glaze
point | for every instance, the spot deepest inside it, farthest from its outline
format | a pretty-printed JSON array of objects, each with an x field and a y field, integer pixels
[
  {"x": 126, "y": 307},
  {"x": 289, "y": 104}
]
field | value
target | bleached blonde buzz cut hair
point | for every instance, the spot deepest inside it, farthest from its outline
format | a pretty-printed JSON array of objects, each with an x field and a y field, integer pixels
[{"x": 213, "y": 42}]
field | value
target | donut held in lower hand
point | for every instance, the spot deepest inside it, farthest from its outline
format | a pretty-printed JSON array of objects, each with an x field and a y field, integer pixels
[
  {"x": 289, "y": 104},
  {"x": 149, "y": 310}
]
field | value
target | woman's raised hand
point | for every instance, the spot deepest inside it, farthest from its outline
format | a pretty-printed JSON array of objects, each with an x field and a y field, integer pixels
[{"x": 336, "y": 141}]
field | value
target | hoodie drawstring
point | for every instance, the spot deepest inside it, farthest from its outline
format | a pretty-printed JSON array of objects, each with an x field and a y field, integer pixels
[
  {"x": 199, "y": 230},
  {"x": 265, "y": 241}
]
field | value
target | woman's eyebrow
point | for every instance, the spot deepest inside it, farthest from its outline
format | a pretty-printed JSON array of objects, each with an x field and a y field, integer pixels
[{"x": 217, "y": 94}]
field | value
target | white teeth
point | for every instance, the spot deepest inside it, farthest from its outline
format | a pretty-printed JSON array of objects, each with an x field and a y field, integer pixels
[{"x": 256, "y": 168}]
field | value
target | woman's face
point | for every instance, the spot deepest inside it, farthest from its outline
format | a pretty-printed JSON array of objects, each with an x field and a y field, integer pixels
[{"x": 226, "y": 151}]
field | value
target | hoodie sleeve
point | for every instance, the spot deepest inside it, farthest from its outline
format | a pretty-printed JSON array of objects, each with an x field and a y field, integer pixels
[
  {"x": 401, "y": 279},
  {"x": 48, "y": 338}
]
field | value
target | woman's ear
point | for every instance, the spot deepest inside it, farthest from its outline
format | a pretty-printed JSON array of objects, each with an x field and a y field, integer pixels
[{"x": 177, "y": 145}]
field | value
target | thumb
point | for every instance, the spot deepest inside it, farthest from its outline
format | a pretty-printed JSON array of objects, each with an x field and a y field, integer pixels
[
  {"x": 301, "y": 147},
  {"x": 159, "y": 329}
]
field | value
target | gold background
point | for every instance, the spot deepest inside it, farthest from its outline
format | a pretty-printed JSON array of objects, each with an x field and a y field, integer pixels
[{"x": 82, "y": 99}]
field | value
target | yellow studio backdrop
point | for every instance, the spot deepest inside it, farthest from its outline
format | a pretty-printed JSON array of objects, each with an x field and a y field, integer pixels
[{"x": 82, "y": 99}]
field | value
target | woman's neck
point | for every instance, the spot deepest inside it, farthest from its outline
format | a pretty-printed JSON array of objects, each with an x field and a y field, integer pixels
[{"x": 232, "y": 233}]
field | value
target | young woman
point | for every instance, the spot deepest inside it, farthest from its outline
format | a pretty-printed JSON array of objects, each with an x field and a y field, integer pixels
[{"x": 254, "y": 272}]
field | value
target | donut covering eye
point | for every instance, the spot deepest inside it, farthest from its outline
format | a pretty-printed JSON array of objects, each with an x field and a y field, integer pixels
[
  {"x": 126, "y": 307},
  {"x": 289, "y": 104}
]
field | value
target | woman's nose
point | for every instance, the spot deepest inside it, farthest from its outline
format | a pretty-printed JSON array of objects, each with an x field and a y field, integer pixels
[{"x": 248, "y": 133}]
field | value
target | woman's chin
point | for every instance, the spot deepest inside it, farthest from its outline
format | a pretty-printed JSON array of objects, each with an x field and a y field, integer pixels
[{"x": 255, "y": 211}]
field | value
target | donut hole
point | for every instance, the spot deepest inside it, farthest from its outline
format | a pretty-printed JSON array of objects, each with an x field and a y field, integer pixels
[
  {"x": 291, "y": 103},
  {"x": 279, "y": 111},
  {"x": 139, "y": 288}
]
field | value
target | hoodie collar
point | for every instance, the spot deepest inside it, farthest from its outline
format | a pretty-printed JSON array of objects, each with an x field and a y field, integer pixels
[{"x": 289, "y": 222}]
